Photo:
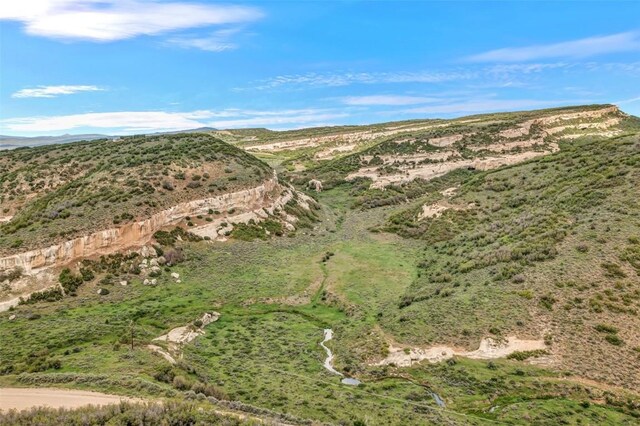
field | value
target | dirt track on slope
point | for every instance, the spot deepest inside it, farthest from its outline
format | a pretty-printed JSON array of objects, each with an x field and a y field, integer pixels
[{"x": 24, "y": 398}]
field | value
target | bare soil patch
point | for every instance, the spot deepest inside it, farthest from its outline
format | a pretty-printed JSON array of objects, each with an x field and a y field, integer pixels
[{"x": 24, "y": 398}]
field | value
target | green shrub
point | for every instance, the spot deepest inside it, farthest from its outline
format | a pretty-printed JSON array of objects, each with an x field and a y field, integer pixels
[
  {"x": 547, "y": 301},
  {"x": 49, "y": 295},
  {"x": 87, "y": 274},
  {"x": 209, "y": 390},
  {"x": 612, "y": 270},
  {"x": 181, "y": 383},
  {"x": 604, "y": 328},
  {"x": 248, "y": 232},
  {"x": 174, "y": 256},
  {"x": 11, "y": 275},
  {"x": 523, "y": 355},
  {"x": 169, "y": 239},
  {"x": 70, "y": 281},
  {"x": 614, "y": 339}
]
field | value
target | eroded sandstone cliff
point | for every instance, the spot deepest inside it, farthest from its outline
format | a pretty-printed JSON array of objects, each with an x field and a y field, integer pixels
[{"x": 252, "y": 202}]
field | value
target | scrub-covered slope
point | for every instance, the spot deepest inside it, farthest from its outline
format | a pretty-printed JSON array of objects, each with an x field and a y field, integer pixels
[
  {"x": 58, "y": 192},
  {"x": 548, "y": 249},
  {"x": 67, "y": 202}
]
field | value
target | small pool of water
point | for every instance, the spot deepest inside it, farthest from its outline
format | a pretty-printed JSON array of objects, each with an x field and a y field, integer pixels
[
  {"x": 437, "y": 399},
  {"x": 351, "y": 382}
]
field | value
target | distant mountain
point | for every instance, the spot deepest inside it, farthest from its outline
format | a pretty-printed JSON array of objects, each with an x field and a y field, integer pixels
[{"x": 12, "y": 142}]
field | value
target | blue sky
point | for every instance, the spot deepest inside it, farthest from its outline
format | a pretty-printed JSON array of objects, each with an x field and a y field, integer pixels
[{"x": 130, "y": 66}]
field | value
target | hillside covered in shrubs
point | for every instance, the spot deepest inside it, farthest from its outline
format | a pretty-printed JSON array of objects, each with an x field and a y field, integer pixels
[
  {"x": 58, "y": 192},
  {"x": 549, "y": 248}
]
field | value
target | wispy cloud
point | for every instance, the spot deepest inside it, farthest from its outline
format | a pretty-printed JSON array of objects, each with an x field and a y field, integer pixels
[
  {"x": 126, "y": 122},
  {"x": 348, "y": 78},
  {"x": 389, "y": 100},
  {"x": 477, "y": 75},
  {"x": 581, "y": 48},
  {"x": 628, "y": 101},
  {"x": 109, "y": 20},
  {"x": 53, "y": 91},
  {"x": 279, "y": 121},
  {"x": 219, "y": 41},
  {"x": 527, "y": 68},
  {"x": 490, "y": 105}
]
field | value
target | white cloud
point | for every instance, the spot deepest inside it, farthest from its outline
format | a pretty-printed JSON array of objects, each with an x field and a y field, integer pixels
[
  {"x": 491, "y": 105},
  {"x": 374, "y": 100},
  {"x": 345, "y": 79},
  {"x": 582, "y": 48},
  {"x": 628, "y": 101},
  {"x": 629, "y": 67},
  {"x": 529, "y": 68},
  {"x": 126, "y": 122},
  {"x": 276, "y": 121},
  {"x": 210, "y": 44},
  {"x": 53, "y": 91},
  {"x": 135, "y": 121},
  {"x": 490, "y": 75},
  {"x": 109, "y": 20},
  {"x": 219, "y": 41}
]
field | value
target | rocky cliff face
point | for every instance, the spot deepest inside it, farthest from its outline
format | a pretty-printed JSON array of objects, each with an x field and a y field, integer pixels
[{"x": 264, "y": 196}]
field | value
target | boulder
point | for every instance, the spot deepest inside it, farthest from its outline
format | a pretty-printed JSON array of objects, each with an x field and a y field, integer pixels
[
  {"x": 123, "y": 283},
  {"x": 12, "y": 317},
  {"x": 175, "y": 275},
  {"x": 161, "y": 260},
  {"x": 315, "y": 184},
  {"x": 148, "y": 251}
]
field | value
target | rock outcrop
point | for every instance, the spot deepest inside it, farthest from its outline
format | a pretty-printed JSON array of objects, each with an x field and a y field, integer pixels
[
  {"x": 521, "y": 142},
  {"x": 136, "y": 234},
  {"x": 489, "y": 348}
]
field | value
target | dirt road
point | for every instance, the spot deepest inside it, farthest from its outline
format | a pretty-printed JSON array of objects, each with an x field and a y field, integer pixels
[{"x": 23, "y": 398}]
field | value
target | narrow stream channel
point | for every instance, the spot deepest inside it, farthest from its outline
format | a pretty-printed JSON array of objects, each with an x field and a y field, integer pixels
[{"x": 328, "y": 362}]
